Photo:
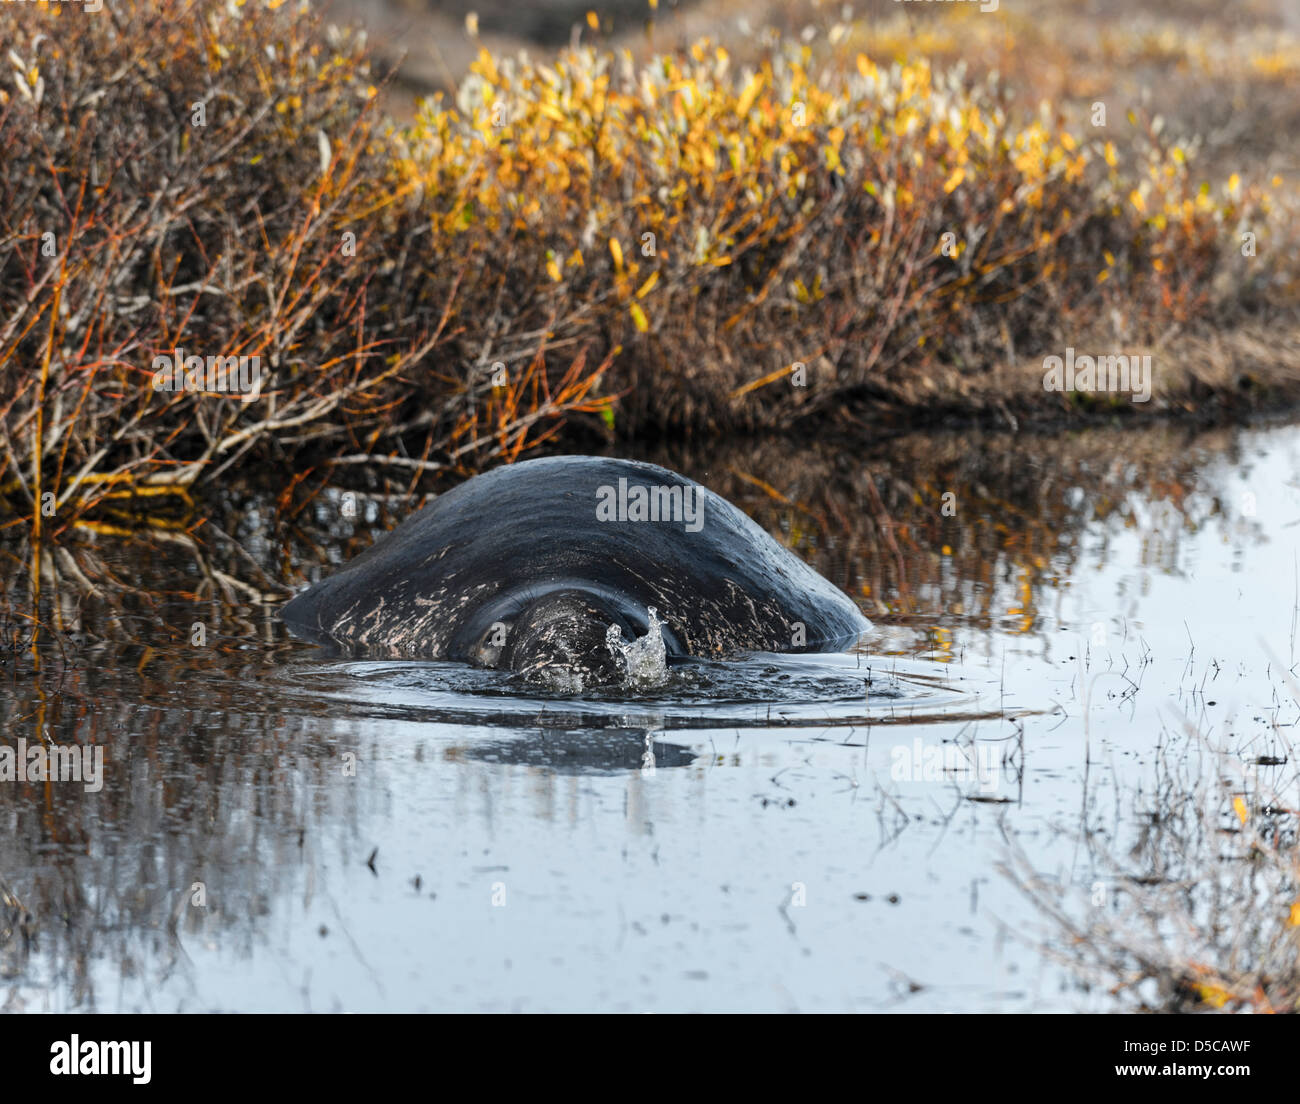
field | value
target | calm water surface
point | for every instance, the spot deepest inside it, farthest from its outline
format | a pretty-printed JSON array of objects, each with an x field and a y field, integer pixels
[{"x": 279, "y": 829}]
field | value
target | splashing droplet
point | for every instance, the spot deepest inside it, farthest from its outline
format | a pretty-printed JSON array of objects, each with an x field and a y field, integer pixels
[{"x": 644, "y": 662}]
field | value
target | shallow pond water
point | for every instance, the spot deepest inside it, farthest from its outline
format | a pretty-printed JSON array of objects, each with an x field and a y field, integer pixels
[{"x": 280, "y": 829}]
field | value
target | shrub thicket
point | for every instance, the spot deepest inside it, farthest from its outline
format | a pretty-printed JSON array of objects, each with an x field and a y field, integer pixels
[{"x": 670, "y": 245}]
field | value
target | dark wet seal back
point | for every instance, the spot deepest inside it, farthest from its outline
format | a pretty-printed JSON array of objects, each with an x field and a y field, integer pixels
[{"x": 452, "y": 581}]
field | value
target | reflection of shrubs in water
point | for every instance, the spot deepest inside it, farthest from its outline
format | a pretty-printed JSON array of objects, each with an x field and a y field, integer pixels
[
  {"x": 932, "y": 525},
  {"x": 1203, "y": 910},
  {"x": 17, "y": 934},
  {"x": 221, "y": 794}
]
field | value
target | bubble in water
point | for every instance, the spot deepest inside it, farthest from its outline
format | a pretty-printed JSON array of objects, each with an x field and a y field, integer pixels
[{"x": 645, "y": 661}]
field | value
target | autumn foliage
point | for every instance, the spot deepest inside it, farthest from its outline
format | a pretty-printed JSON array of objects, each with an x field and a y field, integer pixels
[{"x": 672, "y": 245}]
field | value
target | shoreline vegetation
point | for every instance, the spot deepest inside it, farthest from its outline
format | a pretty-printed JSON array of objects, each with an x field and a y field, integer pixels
[{"x": 584, "y": 246}]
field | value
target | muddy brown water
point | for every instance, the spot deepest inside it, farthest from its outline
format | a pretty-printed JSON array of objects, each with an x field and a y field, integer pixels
[{"x": 274, "y": 828}]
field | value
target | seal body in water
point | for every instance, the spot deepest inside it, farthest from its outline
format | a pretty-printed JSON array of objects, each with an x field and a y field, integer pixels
[{"x": 527, "y": 566}]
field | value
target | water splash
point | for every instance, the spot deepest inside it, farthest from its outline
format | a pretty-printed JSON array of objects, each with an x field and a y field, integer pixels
[
  {"x": 644, "y": 662},
  {"x": 557, "y": 679},
  {"x": 648, "y": 754}
]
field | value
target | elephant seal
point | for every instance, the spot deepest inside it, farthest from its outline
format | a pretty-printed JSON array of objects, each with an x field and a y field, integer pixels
[{"x": 549, "y": 563}]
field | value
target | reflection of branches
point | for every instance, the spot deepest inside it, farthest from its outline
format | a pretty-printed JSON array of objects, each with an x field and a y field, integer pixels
[
  {"x": 1018, "y": 507},
  {"x": 185, "y": 774},
  {"x": 886, "y": 526},
  {"x": 1202, "y": 904},
  {"x": 91, "y": 596},
  {"x": 16, "y": 933}
]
